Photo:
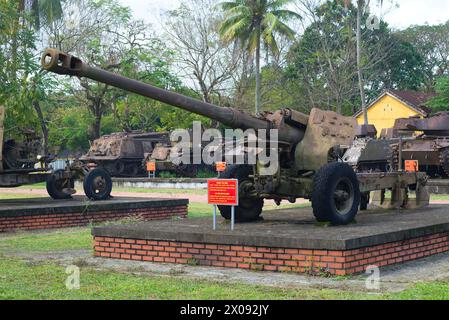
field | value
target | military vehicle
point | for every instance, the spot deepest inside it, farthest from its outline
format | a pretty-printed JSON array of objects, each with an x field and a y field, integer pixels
[
  {"x": 309, "y": 150},
  {"x": 165, "y": 155},
  {"x": 430, "y": 147},
  {"x": 21, "y": 163},
  {"x": 122, "y": 153}
]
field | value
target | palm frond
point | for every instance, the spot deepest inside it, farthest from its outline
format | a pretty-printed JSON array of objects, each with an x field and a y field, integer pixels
[
  {"x": 286, "y": 14},
  {"x": 234, "y": 26},
  {"x": 252, "y": 41},
  {"x": 285, "y": 30}
]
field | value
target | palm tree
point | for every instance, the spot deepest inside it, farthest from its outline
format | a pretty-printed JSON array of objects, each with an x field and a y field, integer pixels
[
  {"x": 253, "y": 21},
  {"x": 46, "y": 11}
]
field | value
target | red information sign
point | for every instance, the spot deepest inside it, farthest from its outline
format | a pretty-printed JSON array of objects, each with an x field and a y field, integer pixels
[
  {"x": 220, "y": 166},
  {"x": 223, "y": 192},
  {"x": 411, "y": 165},
  {"x": 151, "y": 166}
]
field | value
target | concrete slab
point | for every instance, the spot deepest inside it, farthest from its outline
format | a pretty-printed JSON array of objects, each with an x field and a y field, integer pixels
[
  {"x": 294, "y": 228},
  {"x": 43, "y": 206},
  {"x": 46, "y": 213}
]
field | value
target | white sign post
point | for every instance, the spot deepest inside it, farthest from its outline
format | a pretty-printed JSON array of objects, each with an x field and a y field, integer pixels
[{"x": 223, "y": 192}]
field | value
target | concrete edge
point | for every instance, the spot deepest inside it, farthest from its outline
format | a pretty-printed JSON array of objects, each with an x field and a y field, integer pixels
[
  {"x": 94, "y": 207},
  {"x": 127, "y": 231}
]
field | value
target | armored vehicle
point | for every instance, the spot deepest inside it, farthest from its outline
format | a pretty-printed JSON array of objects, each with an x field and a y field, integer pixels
[
  {"x": 22, "y": 162},
  {"x": 122, "y": 153},
  {"x": 430, "y": 147},
  {"x": 309, "y": 149}
]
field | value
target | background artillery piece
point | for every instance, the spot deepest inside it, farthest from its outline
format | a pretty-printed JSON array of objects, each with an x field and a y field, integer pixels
[
  {"x": 309, "y": 150},
  {"x": 430, "y": 147},
  {"x": 21, "y": 163}
]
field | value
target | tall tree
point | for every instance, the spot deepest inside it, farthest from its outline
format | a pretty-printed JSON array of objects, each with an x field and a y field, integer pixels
[
  {"x": 324, "y": 59},
  {"x": 254, "y": 21},
  {"x": 200, "y": 55},
  {"x": 361, "y": 5},
  {"x": 431, "y": 42},
  {"x": 43, "y": 11},
  {"x": 441, "y": 101}
]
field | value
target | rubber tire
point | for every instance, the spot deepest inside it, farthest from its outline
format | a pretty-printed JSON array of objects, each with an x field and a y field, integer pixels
[
  {"x": 243, "y": 213},
  {"x": 322, "y": 196},
  {"x": 133, "y": 169},
  {"x": 53, "y": 191},
  {"x": 364, "y": 200},
  {"x": 88, "y": 184}
]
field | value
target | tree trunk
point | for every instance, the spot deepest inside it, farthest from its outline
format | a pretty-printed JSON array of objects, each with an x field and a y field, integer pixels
[
  {"x": 44, "y": 127},
  {"x": 360, "y": 6},
  {"x": 97, "y": 126},
  {"x": 258, "y": 71}
]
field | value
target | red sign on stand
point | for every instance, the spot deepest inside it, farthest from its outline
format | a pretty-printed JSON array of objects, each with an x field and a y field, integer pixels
[
  {"x": 223, "y": 192},
  {"x": 411, "y": 165}
]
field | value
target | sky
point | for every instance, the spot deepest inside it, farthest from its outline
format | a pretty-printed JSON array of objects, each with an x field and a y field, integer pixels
[{"x": 408, "y": 12}]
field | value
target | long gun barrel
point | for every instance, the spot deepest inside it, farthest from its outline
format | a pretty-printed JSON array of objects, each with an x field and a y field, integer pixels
[{"x": 61, "y": 63}]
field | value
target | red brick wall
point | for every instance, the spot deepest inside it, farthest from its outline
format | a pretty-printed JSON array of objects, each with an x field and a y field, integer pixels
[
  {"x": 337, "y": 262},
  {"x": 62, "y": 220}
]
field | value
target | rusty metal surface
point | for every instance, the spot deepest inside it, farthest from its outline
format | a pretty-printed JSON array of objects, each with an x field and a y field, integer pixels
[
  {"x": 122, "y": 153},
  {"x": 437, "y": 125},
  {"x": 62, "y": 63},
  {"x": 325, "y": 130},
  {"x": 427, "y": 142}
]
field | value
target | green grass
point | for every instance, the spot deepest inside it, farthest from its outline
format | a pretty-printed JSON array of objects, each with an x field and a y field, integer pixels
[
  {"x": 161, "y": 190},
  {"x": 435, "y": 290},
  {"x": 6, "y": 196},
  {"x": 199, "y": 209},
  {"x": 21, "y": 279},
  {"x": 66, "y": 239},
  {"x": 24, "y": 280}
]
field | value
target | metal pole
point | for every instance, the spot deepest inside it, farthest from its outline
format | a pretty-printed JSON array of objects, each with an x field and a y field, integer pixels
[
  {"x": 232, "y": 217},
  {"x": 400, "y": 154},
  {"x": 215, "y": 217}
]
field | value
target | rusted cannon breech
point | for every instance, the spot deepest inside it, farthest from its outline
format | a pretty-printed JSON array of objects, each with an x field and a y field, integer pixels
[{"x": 61, "y": 63}]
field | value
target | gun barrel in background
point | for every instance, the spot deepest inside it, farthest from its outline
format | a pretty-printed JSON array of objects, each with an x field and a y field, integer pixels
[{"x": 61, "y": 63}]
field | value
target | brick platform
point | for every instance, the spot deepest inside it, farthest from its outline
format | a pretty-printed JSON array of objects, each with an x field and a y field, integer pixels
[
  {"x": 286, "y": 241},
  {"x": 45, "y": 213}
]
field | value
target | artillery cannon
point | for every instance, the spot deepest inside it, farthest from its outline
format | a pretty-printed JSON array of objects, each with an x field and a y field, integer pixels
[
  {"x": 22, "y": 163},
  {"x": 309, "y": 150}
]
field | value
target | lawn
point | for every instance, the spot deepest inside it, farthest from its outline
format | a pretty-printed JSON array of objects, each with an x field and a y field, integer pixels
[{"x": 22, "y": 279}]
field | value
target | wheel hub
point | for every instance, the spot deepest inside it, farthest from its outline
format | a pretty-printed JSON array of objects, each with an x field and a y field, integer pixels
[{"x": 343, "y": 195}]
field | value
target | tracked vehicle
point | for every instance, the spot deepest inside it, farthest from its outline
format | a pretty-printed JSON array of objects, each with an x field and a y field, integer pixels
[
  {"x": 122, "y": 153},
  {"x": 430, "y": 147},
  {"x": 309, "y": 150}
]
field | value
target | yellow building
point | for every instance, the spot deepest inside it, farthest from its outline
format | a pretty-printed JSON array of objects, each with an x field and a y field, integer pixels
[{"x": 394, "y": 104}]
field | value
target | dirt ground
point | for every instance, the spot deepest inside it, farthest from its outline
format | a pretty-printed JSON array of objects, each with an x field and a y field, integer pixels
[{"x": 181, "y": 194}]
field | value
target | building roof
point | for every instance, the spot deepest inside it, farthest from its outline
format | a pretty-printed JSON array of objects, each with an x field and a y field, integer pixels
[{"x": 414, "y": 99}]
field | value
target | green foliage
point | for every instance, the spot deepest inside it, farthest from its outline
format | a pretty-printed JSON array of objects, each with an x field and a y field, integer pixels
[
  {"x": 441, "y": 101},
  {"x": 253, "y": 22},
  {"x": 323, "y": 60},
  {"x": 70, "y": 128},
  {"x": 21, "y": 81},
  {"x": 431, "y": 43},
  {"x": 244, "y": 18}
]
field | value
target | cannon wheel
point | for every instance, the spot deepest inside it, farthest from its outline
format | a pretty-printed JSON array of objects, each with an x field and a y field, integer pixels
[
  {"x": 249, "y": 209},
  {"x": 55, "y": 187},
  {"x": 336, "y": 194},
  {"x": 364, "y": 200},
  {"x": 97, "y": 184}
]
